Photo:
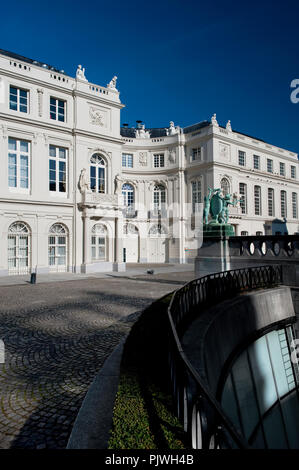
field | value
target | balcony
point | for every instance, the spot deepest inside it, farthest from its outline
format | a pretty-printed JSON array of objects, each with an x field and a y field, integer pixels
[
  {"x": 158, "y": 213},
  {"x": 129, "y": 212},
  {"x": 91, "y": 198}
]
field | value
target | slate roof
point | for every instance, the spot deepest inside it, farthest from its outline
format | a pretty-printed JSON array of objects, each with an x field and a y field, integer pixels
[{"x": 12, "y": 55}]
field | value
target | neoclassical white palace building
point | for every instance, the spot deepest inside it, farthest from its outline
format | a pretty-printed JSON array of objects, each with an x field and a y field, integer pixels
[{"x": 81, "y": 193}]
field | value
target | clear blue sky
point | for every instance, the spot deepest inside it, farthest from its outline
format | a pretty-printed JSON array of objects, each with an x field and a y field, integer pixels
[{"x": 179, "y": 60}]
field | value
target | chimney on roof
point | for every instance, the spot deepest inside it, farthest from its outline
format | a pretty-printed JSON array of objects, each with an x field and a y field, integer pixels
[{"x": 125, "y": 124}]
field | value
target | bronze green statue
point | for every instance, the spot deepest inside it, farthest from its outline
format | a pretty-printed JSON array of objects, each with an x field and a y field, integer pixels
[{"x": 217, "y": 206}]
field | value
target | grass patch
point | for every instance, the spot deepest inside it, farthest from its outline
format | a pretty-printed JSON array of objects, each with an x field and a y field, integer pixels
[{"x": 143, "y": 415}]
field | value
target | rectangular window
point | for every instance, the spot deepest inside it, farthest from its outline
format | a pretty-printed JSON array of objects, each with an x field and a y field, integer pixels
[
  {"x": 57, "y": 169},
  {"x": 269, "y": 165},
  {"x": 282, "y": 169},
  {"x": 257, "y": 200},
  {"x": 127, "y": 160},
  {"x": 294, "y": 206},
  {"x": 18, "y": 163},
  {"x": 57, "y": 109},
  {"x": 271, "y": 202},
  {"x": 256, "y": 162},
  {"x": 283, "y": 203},
  {"x": 18, "y": 99},
  {"x": 242, "y": 158},
  {"x": 159, "y": 160},
  {"x": 196, "y": 195},
  {"x": 243, "y": 197},
  {"x": 196, "y": 154},
  {"x": 293, "y": 172}
]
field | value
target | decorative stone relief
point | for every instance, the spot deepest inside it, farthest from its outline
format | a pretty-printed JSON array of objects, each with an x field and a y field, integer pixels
[
  {"x": 96, "y": 117},
  {"x": 84, "y": 182},
  {"x": 40, "y": 93},
  {"x": 224, "y": 151},
  {"x": 172, "y": 156},
  {"x": 143, "y": 158},
  {"x": 118, "y": 184}
]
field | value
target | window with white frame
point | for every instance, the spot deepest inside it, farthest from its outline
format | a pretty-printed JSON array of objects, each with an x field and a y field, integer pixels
[
  {"x": 256, "y": 162},
  {"x": 57, "y": 247},
  {"x": 243, "y": 197},
  {"x": 293, "y": 171},
  {"x": 99, "y": 243},
  {"x": 257, "y": 200},
  {"x": 18, "y": 99},
  {"x": 97, "y": 174},
  {"x": 18, "y": 163},
  {"x": 127, "y": 160},
  {"x": 294, "y": 206},
  {"x": 271, "y": 211},
  {"x": 19, "y": 245},
  {"x": 57, "y": 109},
  {"x": 269, "y": 165},
  {"x": 282, "y": 169},
  {"x": 196, "y": 194},
  {"x": 242, "y": 158},
  {"x": 259, "y": 233},
  {"x": 159, "y": 196},
  {"x": 283, "y": 203},
  {"x": 244, "y": 233},
  {"x": 128, "y": 195},
  {"x": 57, "y": 169},
  {"x": 196, "y": 154},
  {"x": 224, "y": 184},
  {"x": 158, "y": 160}
]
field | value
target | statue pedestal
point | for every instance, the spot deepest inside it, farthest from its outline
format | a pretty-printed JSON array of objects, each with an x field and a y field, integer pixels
[
  {"x": 213, "y": 256},
  {"x": 218, "y": 230}
]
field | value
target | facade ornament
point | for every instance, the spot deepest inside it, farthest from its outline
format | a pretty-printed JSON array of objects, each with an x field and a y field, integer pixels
[
  {"x": 172, "y": 129},
  {"x": 80, "y": 74},
  {"x": 84, "y": 182},
  {"x": 118, "y": 184},
  {"x": 214, "y": 120},
  {"x": 172, "y": 155},
  {"x": 112, "y": 83},
  {"x": 228, "y": 126},
  {"x": 143, "y": 158},
  {"x": 141, "y": 133},
  {"x": 40, "y": 92},
  {"x": 96, "y": 117}
]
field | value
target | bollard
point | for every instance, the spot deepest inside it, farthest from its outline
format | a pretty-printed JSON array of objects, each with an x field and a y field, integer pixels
[{"x": 33, "y": 278}]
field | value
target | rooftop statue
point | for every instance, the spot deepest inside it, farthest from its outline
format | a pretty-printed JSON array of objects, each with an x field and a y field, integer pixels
[
  {"x": 112, "y": 83},
  {"x": 172, "y": 129},
  {"x": 141, "y": 133},
  {"x": 80, "y": 74}
]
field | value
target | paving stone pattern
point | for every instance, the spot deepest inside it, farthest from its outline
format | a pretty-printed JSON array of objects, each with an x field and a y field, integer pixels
[{"x": 57, "y": 337}]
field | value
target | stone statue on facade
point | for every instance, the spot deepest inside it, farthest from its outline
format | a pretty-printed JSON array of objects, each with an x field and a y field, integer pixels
[
  {"x": 228, "y": 126},
  {"x": 172, "y": 129},
  {"x": 80, "y": 74},
  {"x": 118, "y": 184},
  {"x": 141, "y": 133},
  {"x": 214, "y": 120},
  {"x": 112, "y": 83},
  {"x": 84, "y": 182}
]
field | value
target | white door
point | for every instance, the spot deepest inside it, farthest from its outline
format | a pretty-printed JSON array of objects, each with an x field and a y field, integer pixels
[
  {"x": 18, "y": 249},
  {"x": 157, "y": 251},
  {"x": 130, "y": 244}
]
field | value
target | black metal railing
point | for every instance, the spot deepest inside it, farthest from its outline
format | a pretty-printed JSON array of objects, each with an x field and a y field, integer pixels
[{"x": 202, "y": 415}]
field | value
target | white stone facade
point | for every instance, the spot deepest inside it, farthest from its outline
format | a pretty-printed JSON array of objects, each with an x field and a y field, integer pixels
[{"x": 79, "y": 193}]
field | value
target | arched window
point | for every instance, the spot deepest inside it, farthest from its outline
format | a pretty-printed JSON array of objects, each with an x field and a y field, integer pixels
[
  {"x": 57, "y": 247},
  {"x": 97, "y": 173},
  {"x": 225, "y": 186},
  {"x": 18, "y": 248},
  {"x": 99, "y": 243},
  {"x": 128, "y": 195},
  {"x": 159, "y": 196}
]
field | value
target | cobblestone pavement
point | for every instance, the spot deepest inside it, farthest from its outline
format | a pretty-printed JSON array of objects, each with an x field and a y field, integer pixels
[{"x": 57, "y": 336}]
